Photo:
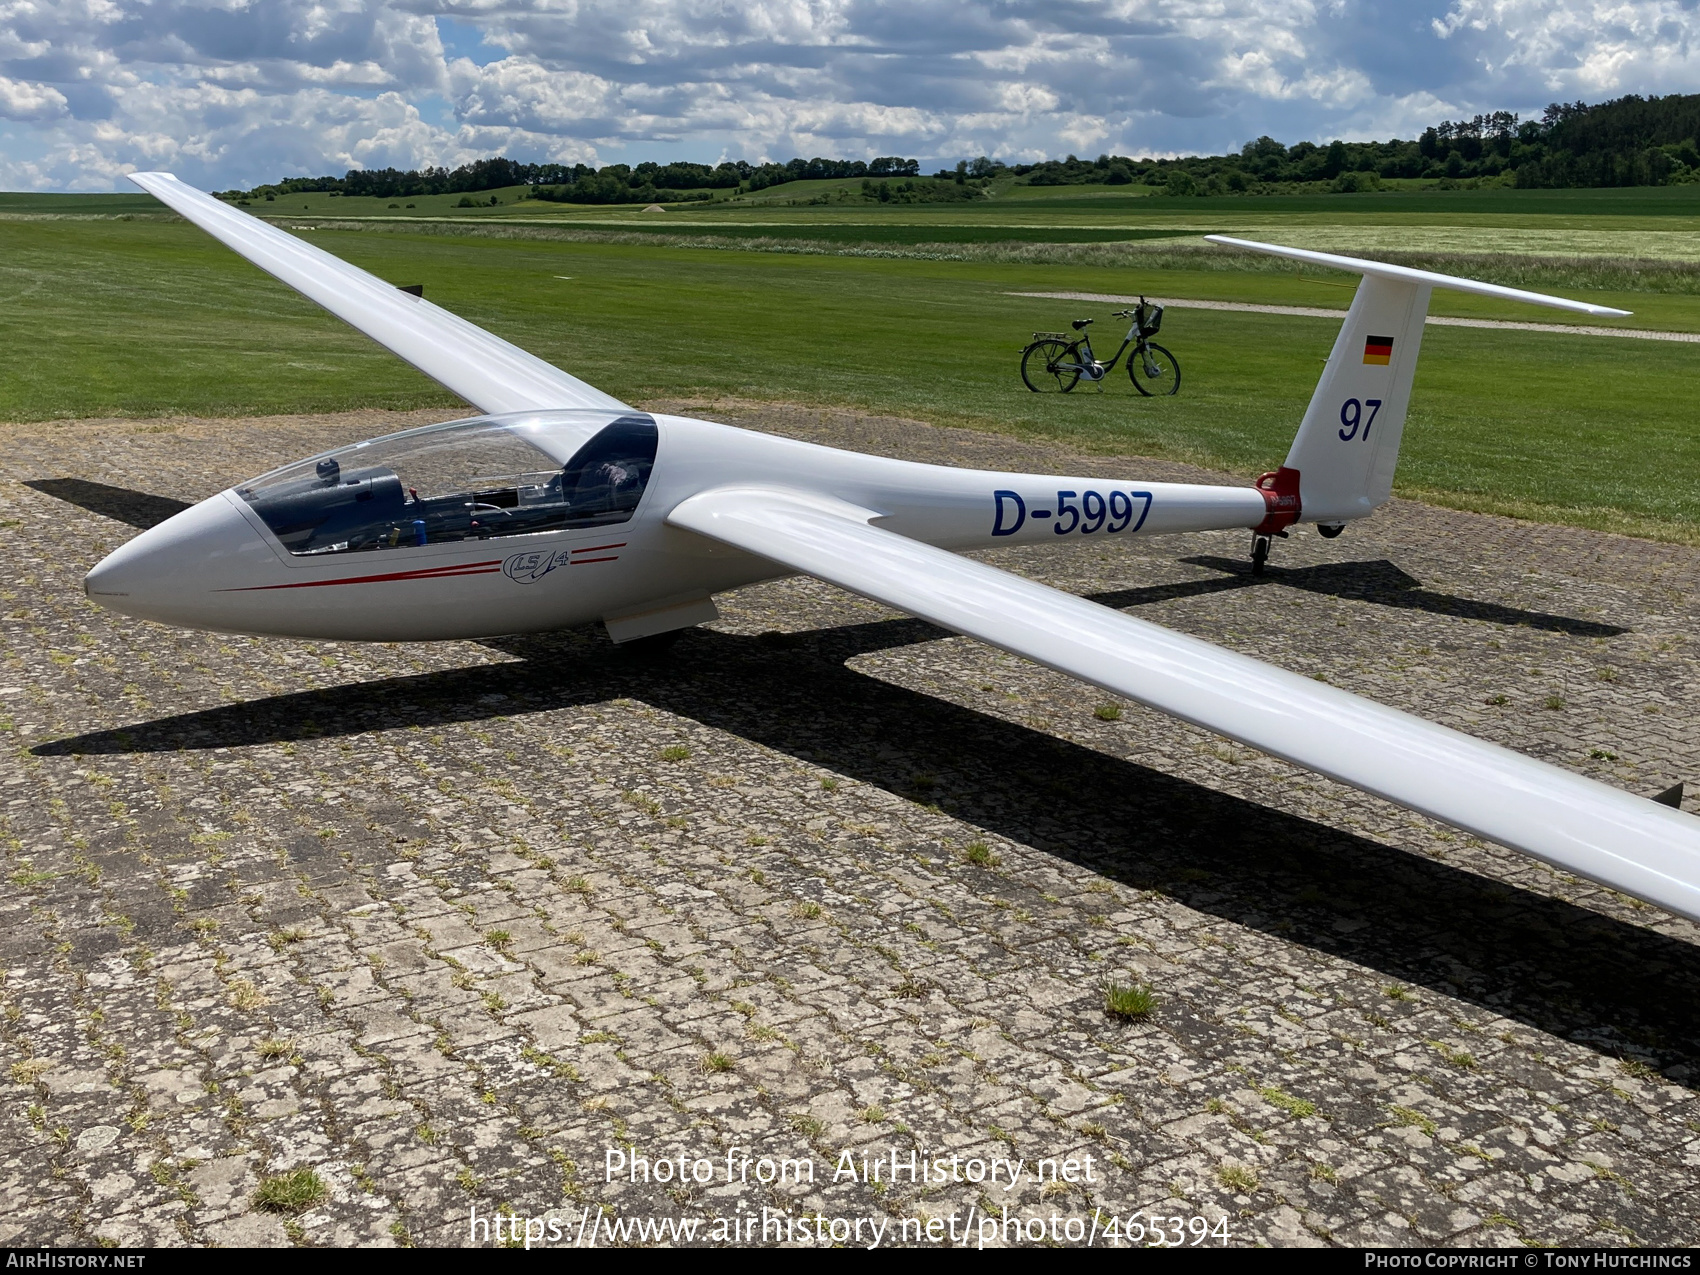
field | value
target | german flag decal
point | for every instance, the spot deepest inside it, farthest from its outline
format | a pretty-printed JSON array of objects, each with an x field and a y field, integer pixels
[{"x": 1378, "y": 349}]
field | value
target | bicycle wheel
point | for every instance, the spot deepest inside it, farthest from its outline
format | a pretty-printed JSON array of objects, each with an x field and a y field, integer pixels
[
  {"x": 1049, "y": 367},
  {"x": 1154, "y": 371}
]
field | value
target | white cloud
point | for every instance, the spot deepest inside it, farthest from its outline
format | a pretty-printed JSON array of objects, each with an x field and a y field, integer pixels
[
  {"x": 234, "y": 92},
  {"x": 21, "y": 100},
  {"x": 1591, "y": 49}
]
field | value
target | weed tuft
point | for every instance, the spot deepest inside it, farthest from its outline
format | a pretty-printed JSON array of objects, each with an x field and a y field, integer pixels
[
  {"x": 1238, "y": 1177},
  {"x": 1129, "y": 1001},
  {"x": 980, "y": 854},
  {"x": 1411, "y": 1118},
  {"x": 1462, "y": 1059},
  {"x": 293, "y": 1193},
  {"x": 1299, "y": 1107},
  {"x": 30, "y": 1071}
]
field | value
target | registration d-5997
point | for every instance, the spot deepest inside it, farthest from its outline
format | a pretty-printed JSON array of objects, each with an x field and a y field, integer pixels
[{"x": 1073, "y": 513}]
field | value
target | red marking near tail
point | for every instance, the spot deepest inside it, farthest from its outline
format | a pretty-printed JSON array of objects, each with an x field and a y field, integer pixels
[
  {"x": 425, "y": 573},
  {"x": 1280, "y": 492},
  {"x": 599, "y": 548}
]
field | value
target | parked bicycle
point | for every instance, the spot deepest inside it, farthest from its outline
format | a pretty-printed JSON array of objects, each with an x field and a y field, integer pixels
[{"x": 1055, "y": 364}]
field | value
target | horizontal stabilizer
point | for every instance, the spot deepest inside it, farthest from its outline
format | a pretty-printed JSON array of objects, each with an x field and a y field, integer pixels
[
  {"x": 1581, "y": 826},
  {"x": 1423, "y": 278},
  {"x": 485, "y": 370}
]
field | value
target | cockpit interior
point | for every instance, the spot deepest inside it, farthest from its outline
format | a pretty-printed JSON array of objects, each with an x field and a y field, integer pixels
[{"x": 468, "y": 480}]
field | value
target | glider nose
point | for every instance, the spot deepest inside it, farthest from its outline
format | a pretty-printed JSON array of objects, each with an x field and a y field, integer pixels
[{"x": 176, "y": 572}]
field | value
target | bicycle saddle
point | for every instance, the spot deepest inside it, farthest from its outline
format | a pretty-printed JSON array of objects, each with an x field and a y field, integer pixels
[{"x": 1082, "y": 323}]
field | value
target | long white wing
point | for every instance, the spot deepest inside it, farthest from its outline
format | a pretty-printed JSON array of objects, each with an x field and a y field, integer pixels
[
  {"x": 1629, "y": 843},
  {"x": 483, "y": 369}
]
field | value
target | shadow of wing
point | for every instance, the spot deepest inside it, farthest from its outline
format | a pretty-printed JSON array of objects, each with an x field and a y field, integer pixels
[
  {"x": 1384, "y": 584},
  {"x": 121, "y": 504}
]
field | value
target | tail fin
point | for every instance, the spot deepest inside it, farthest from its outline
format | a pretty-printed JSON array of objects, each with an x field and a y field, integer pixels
[{"x": 1342, "y": 460}]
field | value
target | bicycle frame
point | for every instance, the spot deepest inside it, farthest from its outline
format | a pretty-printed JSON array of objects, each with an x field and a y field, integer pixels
[{"x": 1093, "y": 370}]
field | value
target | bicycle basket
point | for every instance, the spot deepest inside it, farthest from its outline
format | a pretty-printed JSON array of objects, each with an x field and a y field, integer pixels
[{"x": 1152, "y": 321}]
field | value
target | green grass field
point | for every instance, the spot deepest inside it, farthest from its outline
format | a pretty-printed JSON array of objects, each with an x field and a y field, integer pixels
[
  {"x": 150, "y": 317},
  {"x": 1666, "y": 208}
]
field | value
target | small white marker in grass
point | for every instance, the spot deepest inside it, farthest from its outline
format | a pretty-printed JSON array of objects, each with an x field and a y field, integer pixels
[{"x": 563, "y": 276}]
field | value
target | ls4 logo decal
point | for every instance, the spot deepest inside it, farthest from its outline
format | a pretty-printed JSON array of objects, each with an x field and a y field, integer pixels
[{"x": 529, "y": 568}]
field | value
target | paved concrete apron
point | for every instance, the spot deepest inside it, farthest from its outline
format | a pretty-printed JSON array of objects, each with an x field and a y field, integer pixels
[{"x": 446, "y": 923}]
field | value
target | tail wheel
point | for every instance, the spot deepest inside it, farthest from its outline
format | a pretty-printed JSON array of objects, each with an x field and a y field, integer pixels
[
  {"x": 1154, "y": 371},
  {"x": 1049, "y": 367},
  {"x": 1259, "y": 553}
]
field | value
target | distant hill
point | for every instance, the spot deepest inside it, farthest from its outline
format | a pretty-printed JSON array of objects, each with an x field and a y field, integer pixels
[{"x": 1631, "y": 141}]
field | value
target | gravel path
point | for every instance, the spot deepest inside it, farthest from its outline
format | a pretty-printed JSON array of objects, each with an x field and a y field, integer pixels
[{"x": 1317, "y": 312}]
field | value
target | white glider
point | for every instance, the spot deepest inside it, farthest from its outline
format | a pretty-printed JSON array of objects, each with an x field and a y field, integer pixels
[{"x": 565, "y": 506}]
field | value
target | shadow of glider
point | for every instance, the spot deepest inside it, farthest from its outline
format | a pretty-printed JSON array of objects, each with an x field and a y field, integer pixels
[{"x": 1616, "y": 987}]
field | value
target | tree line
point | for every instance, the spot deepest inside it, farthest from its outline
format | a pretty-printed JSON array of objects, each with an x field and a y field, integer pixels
[
  {"x": 1630, "y": 141},
  {"x": 581, "y": 183}
]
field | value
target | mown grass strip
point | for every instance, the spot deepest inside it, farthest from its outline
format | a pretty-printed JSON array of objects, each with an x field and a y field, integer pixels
[{"x": 147, "y": 318}]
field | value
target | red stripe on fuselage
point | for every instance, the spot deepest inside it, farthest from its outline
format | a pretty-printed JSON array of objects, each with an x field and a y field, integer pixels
[
  {"x": 427, "y": 573},
  {"x": 599, "y": 548}
]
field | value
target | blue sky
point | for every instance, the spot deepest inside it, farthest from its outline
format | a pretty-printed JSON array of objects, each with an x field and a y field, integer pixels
[{"x": 235, "y": 92}]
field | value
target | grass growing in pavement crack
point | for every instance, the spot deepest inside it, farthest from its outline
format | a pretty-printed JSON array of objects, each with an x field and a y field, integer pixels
[
  {"x": 1299, "y": 1107},
  {"x": 293, "y": 1192},
  {"x": 979, "y": 853},
  {"x": 1129, "y": 1000},
  {"x": 1236, "y": 1177}
]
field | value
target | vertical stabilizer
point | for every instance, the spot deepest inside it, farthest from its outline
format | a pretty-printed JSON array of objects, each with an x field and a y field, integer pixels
[{"x": 1348, "y": 445}]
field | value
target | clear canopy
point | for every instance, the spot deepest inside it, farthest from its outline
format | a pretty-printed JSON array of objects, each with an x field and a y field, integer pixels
[{"x": 466, "y": 480}]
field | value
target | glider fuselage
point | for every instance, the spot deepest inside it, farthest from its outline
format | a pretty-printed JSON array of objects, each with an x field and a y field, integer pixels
[{"x": 223, "y": 565}]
